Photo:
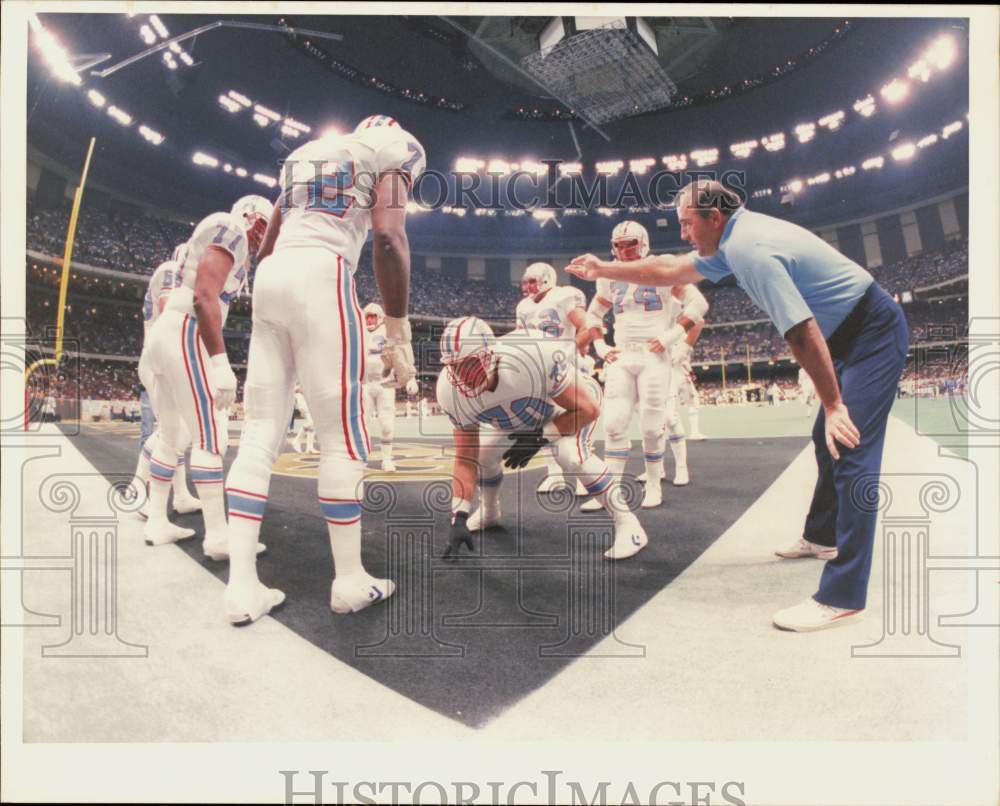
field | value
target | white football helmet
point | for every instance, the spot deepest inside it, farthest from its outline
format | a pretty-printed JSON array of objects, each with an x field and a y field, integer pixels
[
  {"x": 372, "y": 121},
  {"x": 254, "y": 211},
  {"x": 629, "y": 241},
  {"x": 180, "y": 252},
  {"x": 467, "y": 354},
  {"x": 370, "y": 310},
  {"x": 537, "y": 279}
]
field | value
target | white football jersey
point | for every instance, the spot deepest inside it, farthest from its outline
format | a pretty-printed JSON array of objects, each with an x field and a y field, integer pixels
[
  {"x": 532, "y": 371},
  {"x": 327, "y": 186},
  {"x": 160, "y": 285},
  {"x": 551, "y": 315},
  {"x": 224, "y": 231},
  {"x": 374, "y": 345},
  {"x": 805, "y": 382},
  {"x": 641, "y": 311}
]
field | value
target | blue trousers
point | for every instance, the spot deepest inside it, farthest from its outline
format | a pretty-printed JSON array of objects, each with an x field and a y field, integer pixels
[
  {"x": 148, "y": 422},
  {"x": 869, "y": 355}
]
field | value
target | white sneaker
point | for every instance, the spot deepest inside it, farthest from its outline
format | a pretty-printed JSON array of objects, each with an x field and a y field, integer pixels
[
  {"x": 593, "y": 505},
  {"x": 697, "y": 436},
  {"x": 681, "y": 477},
  {"x": 630, "y": 538},
  {"x": 641, "y": 478},
  {"x": 164, "y": 532},
  {"x": 186, "y": 504},
  {"x": 803, "y": 548},
  {"x": 245, "y": 606},
  {"x": 653, "y": 496},
  {"x": 218, "y": 549},
  {"x": 477, "y": 520},
  {"x": 388, "y": 466},
  {"x": 580, "y": 489},
  {"x": 810, "y": 616},
  {"x": 358, "y": 591},
  {"x": 552, "y": 482}
]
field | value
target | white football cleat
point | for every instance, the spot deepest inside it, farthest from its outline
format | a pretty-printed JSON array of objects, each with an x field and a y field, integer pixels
[
  {"x": 358, "y": 591},
  {"x": 810, "y": 616},
  {"x": 653, "y": 496},
  {"x": 218, "y": 549},
  {"x": 552, "y": 482},
  {"x": 804, "y": 548},
  {"x": 143, "y": 511},
  {"x": 697, "y": 436},
  {"x": 593, "y": 505},
  {"x": 186, "y": 504},
  {"x": 388, "y": 466},
  {"x": 681, "y": 477},
  {"x": 477, "y": 520},
  {"x": 164, "y": 532},
  {"x": 581, "y": 491},
  {"x": 245, "y": 606},
  {"x": 630, "y": 539}
]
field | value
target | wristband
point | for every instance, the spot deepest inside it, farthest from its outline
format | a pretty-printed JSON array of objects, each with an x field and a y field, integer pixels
[
  {"x": 397, "y": 329},
  {"x": 551, "y": 432},
  {"x": 220, "y": 361},
  {"x": 601, "y": 348}
]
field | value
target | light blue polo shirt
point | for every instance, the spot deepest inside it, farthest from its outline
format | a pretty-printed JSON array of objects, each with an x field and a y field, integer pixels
[{"x": 789, "y": 272}]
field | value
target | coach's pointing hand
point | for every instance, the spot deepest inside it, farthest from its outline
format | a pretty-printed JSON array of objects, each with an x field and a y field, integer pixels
[
  {"x": 222, "y": 381},
  {"x": 839, "y": 428},
  {"x": 585, "y": 266}
]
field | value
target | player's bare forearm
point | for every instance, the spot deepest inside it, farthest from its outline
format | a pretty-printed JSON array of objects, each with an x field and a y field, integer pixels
[
  {"x": 212, "y": 271},
  {"x": 271, "y": 233},
  {"x": 655, "y": 270},
  {"x": 694, "y": 333},
  {"x": 463, "y": 481},
  {"x": 580, "y": 410},
  {"x": 809, "y": 348},
  {"x": 390, "y": 246}
]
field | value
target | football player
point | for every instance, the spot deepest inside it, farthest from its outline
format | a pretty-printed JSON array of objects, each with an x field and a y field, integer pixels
[
  {"x": 507, "y": 398},
  {"x": 307, "y": 324},
  {"x": 380, "y": 391},
  {"x": 194, "y": 382},
  {"x": 557, "y": 312},
  {"x": 160, "y": 285},
  {"x": 637, "y": 376},
  {"x": 306, "y": 429},
  {"x": 807, "y": 392}
]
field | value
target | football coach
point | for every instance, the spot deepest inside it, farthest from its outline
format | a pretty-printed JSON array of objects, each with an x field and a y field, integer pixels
[{"x": 842, "y": 328}]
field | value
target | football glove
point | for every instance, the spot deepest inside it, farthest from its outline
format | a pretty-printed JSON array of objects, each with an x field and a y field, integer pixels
[
  {"x": 525, "y": 446},
  {"x": 458, "y": 536}
]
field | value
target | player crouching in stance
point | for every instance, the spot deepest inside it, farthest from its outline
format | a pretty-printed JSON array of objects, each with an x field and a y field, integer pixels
[
  {"x": 526, "y": 390},
  {"x": 194, "y": 383}
]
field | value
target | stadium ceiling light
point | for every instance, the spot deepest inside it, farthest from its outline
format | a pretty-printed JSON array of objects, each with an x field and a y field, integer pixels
[
  {"x": 761, "y": 193},
  {"x": 229, "y": 104},
  {"x": 847, "y": 170},
  {"x": 147, "y": 35},
  {"x": 571, "y": 169},
  {"x": 942, "y": 52},
  {"x": 531, "y": 166},
  {"x": 176, "y": 48},
  {"x": 186, "y": 58},
  {"x": 297, "y": 125},
  {"x": 819, "y": 179},
  {"x": 744, "y": 149},
  {"x": 705, "y": 156},
  {"x": 805, "y": 132},
  {"x": 607, "y": 211},
  {"x": 468, "y": 165},
  {"x": 543, "y": 215},
  {"x": 929, "y": 140},
  {"x": 919, "y": 70},
  {"x": 459, "y": 211},
  {"x": 498, "y": 166},
  {"x": 895, "y": 91},
  {"x": 641, "y": 165},
  {"x": 227, "y": 168},
  {"x": 240, "y": 99},
  {"x": 161, "y": 29},
  {"x": 264, "y": 179},
  {"x": 330, "y": 131},
  {"x": 904, "y": 151},
  {"x": 120, "y": 116},
  {"x": 152, "y": 136},
  {"x": 268, "y": 113},
  {"x": 833, "y": 121},
  {"x": 675, "y": 162},
  {"x": 773, "y": 142},
  {"x": 201, "y": 158},
  {"x": 610, "y": 167},
  {"x": 873, "y": 163},
  {"x": 795, "y": 186},
  {"x": 241, "y": 172},
  {"x": 865, "y": 106},
  {"x": 261, "y": 120},
  {"x": 289, "y": 131},
  {"x": 96, "y": 98},
  {"x": 53, "y": 53},
  {"x": 950, "y": 129}
]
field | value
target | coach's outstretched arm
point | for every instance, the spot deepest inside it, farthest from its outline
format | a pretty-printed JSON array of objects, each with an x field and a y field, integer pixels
[{"x": 655, "y": 270}]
